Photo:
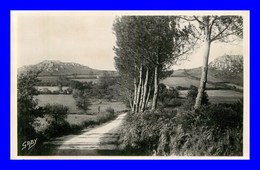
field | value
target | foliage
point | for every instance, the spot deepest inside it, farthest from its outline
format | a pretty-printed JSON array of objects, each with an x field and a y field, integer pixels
[
  {"x": 108, "y": 88},
  {"x": 214, "y": 130},
  {"x": 210, "y": 29},
  {"x": 26, "y": 107},
  {"x": 146, "y": 47},
  {"x": 110, "y": 110},
  {"x": 53, "y": 122},
  {"x": 141, "y": 132},
  {"x": 168, "y": 96},
  {"x": 82, "y": 99},
  {"x": 101, "y": 117},
  {"x": 191, "y": 97}
]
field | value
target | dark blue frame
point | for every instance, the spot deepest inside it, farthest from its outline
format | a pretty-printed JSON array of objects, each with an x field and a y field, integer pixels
[{"x": 7, "y": 5}]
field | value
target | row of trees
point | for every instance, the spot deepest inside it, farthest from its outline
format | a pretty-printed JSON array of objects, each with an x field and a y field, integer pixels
[{"x": 147, "y": 46}]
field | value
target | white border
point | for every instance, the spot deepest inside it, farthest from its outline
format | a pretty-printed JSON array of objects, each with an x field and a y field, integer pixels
[{"x": 246, "y": 54}]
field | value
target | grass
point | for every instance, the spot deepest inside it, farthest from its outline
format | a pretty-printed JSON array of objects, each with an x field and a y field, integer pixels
[
  {"x": 67, "y": 100},
  {"x": 85, "y": 80},
  {"x": 77, "y": 117},
  {"x": 182, "y": 81},
  {"x": 51, "y": 88},
  {"x": 218, "y": 96},
  {"x": 214, "y": 130}
]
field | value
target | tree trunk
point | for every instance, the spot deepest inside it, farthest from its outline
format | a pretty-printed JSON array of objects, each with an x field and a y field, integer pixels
[
  {"x": 130, "y": 102},
  {"x": 148, "y": 97},
  {"x": 145, "y": 90},
  {"x": 135, "y": 96},
  {"x": 156, "y": 88},
  {"x": 204, "y": 72},
  {"x": 141, "y": 96},
  {"x": 139, "y": 89}
]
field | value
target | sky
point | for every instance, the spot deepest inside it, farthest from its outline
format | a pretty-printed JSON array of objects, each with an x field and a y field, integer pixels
[{"x": 81, "y": 37}]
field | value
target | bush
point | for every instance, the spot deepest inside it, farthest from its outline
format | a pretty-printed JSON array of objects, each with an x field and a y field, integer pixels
[
  {"x": 110, "y": 110},
  {"x": 214, "y": 130},
  {"x": 141, "y": 132},
  {"x": 82, "y": 99},
  {"x": 100, "y": 118},
  {"x": 172, "y": 102},
  {"x": 191, "y": 98},
  {"x": 53, "y": 122},
  {"x": 168, "y": 97}
]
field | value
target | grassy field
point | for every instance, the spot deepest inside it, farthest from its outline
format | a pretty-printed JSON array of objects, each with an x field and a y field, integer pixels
[
  {"x": 219, "y": 96},
  {"x": 51, "y": 88},
  {"x": 77, "y": 117},
  {"x": 80, "y": 78},
  {"x": 67, "y": 100},
  {"x": 85, "y": 80},
  {"x": 182, "y": 81}
]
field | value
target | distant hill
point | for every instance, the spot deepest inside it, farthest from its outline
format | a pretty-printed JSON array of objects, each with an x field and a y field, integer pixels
[
  {"x": 228, "y": 68},
  {"x": 223, "y": 71},
  {"x": 57, "y": 68},
  {"x": 230, "y": 63}
]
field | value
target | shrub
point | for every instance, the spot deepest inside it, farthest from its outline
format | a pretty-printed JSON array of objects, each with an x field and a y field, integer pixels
[
  {"x": 82, "y": 99},
  {"x": 141, "y": 132},
  {"x": 181, "y": 88},
  {"x": 168, "y": 97},
  {"x": 110, "y": 110},
  {"x": 191, "y": 97},
  {"x": 214, "y": 130},
  {"x": 52, "y": 123},
  {"x": 172, "y": 102},
  {"x": 101, "y": 118}
]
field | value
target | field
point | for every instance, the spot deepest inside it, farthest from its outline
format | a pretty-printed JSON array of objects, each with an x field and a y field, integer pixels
[
  {"x": 67, "y": 100},
  {"x": 219, "y": 96},
  {"x": 77, "y": 117},
  {"x": 182, "y": 81},
  {"x": 51, "y": 88},
  {"x": 80, "y": 78},
  {"x": 85, "y": 80}
]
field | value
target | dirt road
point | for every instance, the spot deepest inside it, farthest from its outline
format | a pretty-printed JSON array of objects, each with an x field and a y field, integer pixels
[{"x": 97, "y": 141}]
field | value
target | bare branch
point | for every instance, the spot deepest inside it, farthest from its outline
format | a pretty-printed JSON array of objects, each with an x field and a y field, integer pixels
[
  {"x": 221, "y": 32},
  {"x": 226, "y": 35},
  {"x": 212, "y": 23},
  {"x": 197, "y": 19},
  {"x": 186, "y": 51}
]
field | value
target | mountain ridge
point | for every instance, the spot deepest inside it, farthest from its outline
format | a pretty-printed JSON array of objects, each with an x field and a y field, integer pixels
[{"x": 57, "y": 68}]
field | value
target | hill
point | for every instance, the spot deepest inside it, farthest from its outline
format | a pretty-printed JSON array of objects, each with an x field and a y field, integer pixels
[
  {"x": 224, "y": 72},
  {"x": 58, "y": 68}
]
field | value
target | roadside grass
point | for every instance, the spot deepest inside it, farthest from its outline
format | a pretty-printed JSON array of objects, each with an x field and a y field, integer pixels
[{"x": 214, "y": 130}]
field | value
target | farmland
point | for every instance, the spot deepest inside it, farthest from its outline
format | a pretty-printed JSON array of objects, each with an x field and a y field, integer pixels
[
  {"x": 51, "y": 88},
  {"x": 86, "y": 80},
  {"x": 67, "y": 100},
  {"x": 219, "y": 96},
  {"x": 77, "y": 116}
]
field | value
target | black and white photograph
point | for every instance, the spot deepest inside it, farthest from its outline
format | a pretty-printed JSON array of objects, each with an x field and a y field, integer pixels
[{"x": 130, "y": 85}]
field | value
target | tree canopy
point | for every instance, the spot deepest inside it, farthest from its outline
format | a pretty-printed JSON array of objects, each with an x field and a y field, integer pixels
[{"x": 146, "y": 48}]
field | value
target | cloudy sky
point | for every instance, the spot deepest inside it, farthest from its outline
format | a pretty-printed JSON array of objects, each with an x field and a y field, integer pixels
[{"x": 82, "y": 37}]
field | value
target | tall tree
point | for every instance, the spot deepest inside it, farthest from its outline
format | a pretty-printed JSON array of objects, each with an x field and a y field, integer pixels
[
  {"x": 211, "y": 29},
  {"x": 146, "y": 48}
]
